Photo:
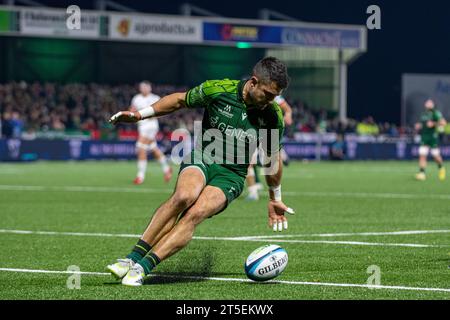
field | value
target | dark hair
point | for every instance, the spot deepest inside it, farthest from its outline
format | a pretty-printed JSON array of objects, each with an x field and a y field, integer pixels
[
  {"x": 146, "y": 82},
  {"x": 271, "y": 69}
]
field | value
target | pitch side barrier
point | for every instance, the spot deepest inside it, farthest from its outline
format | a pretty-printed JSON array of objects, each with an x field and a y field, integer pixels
[{"x": 75, "y": 149}]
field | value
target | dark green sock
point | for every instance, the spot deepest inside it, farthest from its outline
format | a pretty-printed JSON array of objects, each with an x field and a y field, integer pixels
[
  {"x": 439, "y": 165},
  {"x": 257, "y": 180},
  {"x": 422, "y": 170},
  {"x": 139, "y": 251},
  {"x": 149, "y": 262}
]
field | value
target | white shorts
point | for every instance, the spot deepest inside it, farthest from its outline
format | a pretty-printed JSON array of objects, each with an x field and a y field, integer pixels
[
  {"x": 148, "y": 129},
  {"x": 425, "y": 150}
]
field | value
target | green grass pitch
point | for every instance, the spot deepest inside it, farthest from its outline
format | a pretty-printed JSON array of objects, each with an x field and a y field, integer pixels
[{"x": 335, "y": 203}]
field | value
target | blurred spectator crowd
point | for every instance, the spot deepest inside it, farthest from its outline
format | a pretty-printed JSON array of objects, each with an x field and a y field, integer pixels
[
  {"x": 309, "y": 120},
  {"x": 30, "y": 110}
]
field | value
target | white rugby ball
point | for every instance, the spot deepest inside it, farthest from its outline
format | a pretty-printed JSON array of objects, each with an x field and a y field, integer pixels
[{"x": 266, "y": 263}]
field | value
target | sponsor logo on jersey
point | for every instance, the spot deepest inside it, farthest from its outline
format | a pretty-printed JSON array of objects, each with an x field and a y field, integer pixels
[
  {"x": 238, "y": 133},
  {"x": 226, "y": 111}
]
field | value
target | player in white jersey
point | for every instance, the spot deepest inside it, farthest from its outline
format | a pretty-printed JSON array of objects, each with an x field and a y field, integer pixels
[
  {"x": 147, "y": 134},
  {"x": 253, "y": 183}
]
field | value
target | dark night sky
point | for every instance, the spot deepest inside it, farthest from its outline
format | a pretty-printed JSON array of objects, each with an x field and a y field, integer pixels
[{"x": 415, "y": 37}]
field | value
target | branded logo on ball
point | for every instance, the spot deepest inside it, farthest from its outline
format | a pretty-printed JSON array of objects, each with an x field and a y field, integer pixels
[{"x": 266, "y": 263}]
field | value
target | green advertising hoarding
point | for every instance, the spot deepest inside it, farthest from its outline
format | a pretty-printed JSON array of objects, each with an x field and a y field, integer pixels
[{"x": 5, "y": 21}]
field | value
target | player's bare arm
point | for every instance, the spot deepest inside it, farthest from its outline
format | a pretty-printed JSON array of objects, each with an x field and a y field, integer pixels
[
  {"x": 276, "y": 207},
  {"x": 287, "y": 111},
  {"x": 166, "y": 105}
]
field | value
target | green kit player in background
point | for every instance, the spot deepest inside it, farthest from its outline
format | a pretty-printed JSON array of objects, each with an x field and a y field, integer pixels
[
  {"x": 235, "y": 110},
  {"x": 431, "y": 123}
]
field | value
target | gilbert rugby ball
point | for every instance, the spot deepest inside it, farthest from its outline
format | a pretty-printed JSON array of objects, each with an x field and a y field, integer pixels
[{"x": 266, "y": 263}]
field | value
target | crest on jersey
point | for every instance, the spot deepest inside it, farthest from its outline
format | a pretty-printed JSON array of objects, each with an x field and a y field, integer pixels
[{"x": 261, "y": 122}]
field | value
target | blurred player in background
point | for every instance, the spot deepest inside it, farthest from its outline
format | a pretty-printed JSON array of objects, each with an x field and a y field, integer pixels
[
  {"x": 148, "y": 129},
  {"x": 431, "y": 123},
  {"x": 253, "y": 182}
]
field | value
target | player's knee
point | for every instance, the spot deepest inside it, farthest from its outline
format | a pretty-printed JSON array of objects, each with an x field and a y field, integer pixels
[
  {"x": 183, "y": 199},
  {"x": 195, "y": 216}
]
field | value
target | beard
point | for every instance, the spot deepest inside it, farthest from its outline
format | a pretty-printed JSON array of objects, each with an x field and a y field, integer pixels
[{"x": 255, "y": 103}]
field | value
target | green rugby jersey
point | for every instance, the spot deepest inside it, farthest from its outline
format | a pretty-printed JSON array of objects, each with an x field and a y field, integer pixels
[
  {"x": 228, "y": 121},
  {"x": 430, "y": 115}
]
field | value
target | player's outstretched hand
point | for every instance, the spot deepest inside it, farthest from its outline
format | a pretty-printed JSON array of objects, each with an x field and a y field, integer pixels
[
  {"x": 288, "y": 119},
  {"x": 277, "y": 219},
  {"x": 125, "y": 116}
]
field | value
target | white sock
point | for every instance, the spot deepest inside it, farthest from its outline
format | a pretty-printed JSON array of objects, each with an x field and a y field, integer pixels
[
  {"x": 164, "y": 164},
  {"x": 142, "y": 168},
  {"x": 253, "y": 190}
]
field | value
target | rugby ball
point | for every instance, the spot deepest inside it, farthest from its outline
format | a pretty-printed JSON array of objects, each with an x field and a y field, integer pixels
[{"x": 266, "y": 263}]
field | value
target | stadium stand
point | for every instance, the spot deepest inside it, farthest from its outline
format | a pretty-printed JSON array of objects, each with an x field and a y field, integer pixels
[{"x": 30, "y": 110}]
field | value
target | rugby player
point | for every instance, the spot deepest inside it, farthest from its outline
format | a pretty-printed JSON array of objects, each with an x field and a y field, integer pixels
[
  {"x": 431, "y": 123},
  {"x": 233, "y": 109},
  {"x": 147, "y": 128}
]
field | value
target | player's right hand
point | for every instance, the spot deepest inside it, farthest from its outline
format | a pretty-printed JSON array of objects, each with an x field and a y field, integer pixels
[{"x": 125, "y": 116}]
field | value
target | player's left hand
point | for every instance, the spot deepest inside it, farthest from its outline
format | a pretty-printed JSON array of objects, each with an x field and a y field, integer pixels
[
  {"x": 277, "y": 210},
  {"x": 125, "y": 116}
]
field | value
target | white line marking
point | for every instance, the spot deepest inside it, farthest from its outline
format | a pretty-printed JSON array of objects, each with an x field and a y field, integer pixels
[
  {"x": 82, "y": 189},
  {"x": 81, "y": 234},
  {"x": 368, "y": 195},
  {"x": 359, "y": 243},
  {"x": 166, "y": 191},
  {"x": 55, "y": 272},
  {"x": 348, "y": 285},
  {"x": 392, "y": 233}
]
